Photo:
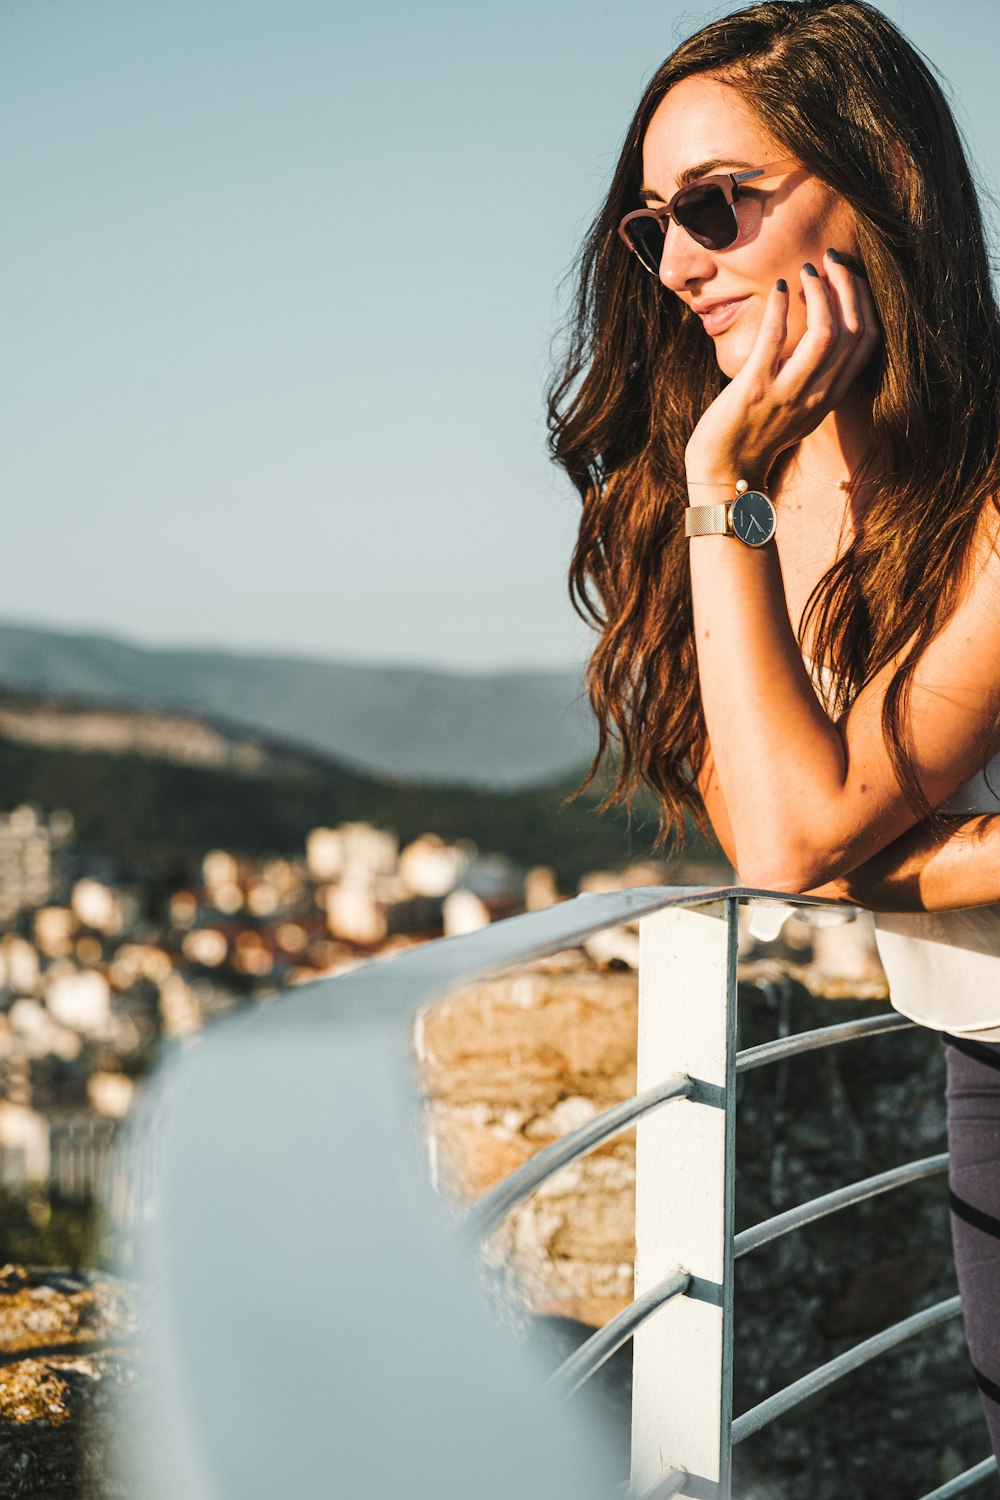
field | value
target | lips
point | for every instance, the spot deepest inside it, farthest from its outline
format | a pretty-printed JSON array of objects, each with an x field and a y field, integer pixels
[{"x": 718, "y": 316}]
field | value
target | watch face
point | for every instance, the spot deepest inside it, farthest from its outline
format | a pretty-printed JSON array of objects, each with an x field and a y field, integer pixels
[{"x": 753, "y": 518}]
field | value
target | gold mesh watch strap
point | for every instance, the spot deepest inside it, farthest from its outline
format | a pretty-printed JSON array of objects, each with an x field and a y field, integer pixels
[{"x": 706, "y": 520}]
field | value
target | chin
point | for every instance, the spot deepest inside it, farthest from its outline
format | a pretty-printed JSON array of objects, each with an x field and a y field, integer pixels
[
  {"x": 731, "y": 356},
  {"x": 733, "y": 349}
]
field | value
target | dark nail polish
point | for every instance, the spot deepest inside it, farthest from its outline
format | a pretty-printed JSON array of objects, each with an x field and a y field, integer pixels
[
  {"x": 838, "y": 260},
  {"x": 810, "y": 269},
  {"x": 782, "y": 284}
]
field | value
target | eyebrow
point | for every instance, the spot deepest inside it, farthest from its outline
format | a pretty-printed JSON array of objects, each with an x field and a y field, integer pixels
[{"x": 693, "y": 174}]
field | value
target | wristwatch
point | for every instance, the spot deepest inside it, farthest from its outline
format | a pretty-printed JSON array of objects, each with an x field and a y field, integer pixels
[{"x": 750, "y": 516}]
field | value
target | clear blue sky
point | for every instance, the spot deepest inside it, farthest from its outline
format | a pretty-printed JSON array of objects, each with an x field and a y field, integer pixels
[{"x": 279, "y": 283}]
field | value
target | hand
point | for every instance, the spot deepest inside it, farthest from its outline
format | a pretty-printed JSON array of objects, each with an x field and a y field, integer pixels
[{"x": 772, "y": 403}]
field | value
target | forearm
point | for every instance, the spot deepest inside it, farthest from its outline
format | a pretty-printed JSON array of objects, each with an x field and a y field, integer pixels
[
  {"x": 923, "y": 871},
  {"x": 779, "y": 757},
  {"x": 808, "y": 799}
]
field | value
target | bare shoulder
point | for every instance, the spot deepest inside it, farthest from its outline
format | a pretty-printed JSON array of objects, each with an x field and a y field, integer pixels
[
  {"x": 952, "y": 707},
  {"x": 975, "y": 625},
  {"x": 960, "y": 668}
]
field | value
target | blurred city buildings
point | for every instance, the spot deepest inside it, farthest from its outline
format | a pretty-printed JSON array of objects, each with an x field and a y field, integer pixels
[{"x": 100, "y": 971}]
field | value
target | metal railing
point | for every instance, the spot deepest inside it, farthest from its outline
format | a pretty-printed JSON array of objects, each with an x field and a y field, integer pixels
[
  {"x": 683, "y": 1357},
  {"x": 681, "y": 1318}
]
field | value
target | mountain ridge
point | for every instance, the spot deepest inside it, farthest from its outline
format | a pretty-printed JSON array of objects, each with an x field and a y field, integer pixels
[{"x": 492, "y": 729}]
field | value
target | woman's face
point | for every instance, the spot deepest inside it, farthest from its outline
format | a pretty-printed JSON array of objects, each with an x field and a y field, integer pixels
[{"x": 700, "y": 127}]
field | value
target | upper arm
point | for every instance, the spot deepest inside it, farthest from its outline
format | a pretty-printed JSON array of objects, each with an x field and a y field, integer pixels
[{"x": 951, "y": 720}]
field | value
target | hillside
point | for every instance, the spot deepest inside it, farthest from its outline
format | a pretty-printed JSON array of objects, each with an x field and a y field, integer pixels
[
  {"x": 150, "y": 805},
  {"x": 490, "y": 729}
]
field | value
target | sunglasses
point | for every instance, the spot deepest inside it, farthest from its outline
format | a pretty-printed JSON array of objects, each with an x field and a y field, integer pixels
[{"x": 706, "y": 210}]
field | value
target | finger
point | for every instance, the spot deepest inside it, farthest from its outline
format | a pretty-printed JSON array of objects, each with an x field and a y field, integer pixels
[
  {"x": 802, "y": 373},
  {"x": 846, "y": 377},
  {"x": 873, "y": 334},
  {"x": 846, "y": 288},
  {"x": 765, "y": 355},
  {"x": 854, "y": 345},
  {"x": 859, "y": 320}
]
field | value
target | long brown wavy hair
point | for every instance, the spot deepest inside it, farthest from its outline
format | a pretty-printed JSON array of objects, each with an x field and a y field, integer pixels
[{"x": 836, "y": 84}]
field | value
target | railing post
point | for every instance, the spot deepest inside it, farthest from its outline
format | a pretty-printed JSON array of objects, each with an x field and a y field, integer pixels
[{"x": 682, "y": 1390}]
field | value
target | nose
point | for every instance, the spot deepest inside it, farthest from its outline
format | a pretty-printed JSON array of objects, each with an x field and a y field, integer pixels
[{"x": 683, "y": 262}]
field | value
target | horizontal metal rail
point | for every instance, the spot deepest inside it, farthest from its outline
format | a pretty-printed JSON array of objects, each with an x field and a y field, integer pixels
[
  {"x": 823, "y": 1036},
  {"x": 490, "y": 1210},
  {"x": 818, "y": 1208},
  {"x": 355, "y": 1021},
  {"x": 775, "y": 1406},
  {"x": 589, "y": 1358},
  {"x": 963, "y": 1482}
]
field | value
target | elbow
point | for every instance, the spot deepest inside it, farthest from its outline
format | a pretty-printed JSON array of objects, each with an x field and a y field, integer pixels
[{"x": 788, "y": 872}]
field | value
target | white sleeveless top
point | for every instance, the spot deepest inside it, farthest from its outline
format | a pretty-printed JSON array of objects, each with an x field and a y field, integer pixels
[{"x": 943, "y": 968}]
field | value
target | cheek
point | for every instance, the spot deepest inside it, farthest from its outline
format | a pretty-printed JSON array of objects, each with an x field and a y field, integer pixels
[
  {"x": 777, "y": 239},
  {"x": 750, "y": 218}
]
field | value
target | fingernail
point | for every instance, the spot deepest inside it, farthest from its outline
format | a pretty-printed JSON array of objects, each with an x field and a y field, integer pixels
[
  {"x": 782, "y": 284},
  {"x": 838, "y": 260},
  {"x": 810, "y": 269}
]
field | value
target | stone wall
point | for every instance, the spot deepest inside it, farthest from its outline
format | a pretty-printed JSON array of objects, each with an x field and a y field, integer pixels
[
  {"x": 512, "y": 1063},
  {"x": 67, "y": 1352}
]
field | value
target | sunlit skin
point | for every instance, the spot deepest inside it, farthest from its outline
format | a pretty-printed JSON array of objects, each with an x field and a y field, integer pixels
[
  {"x": 785, "y": 225},
  {"x": 703, "y": 120},
  {"x": 798, "y": 801}
]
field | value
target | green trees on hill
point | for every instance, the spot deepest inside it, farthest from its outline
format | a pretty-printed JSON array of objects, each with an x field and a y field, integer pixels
[{"x": 157, "y": 815}]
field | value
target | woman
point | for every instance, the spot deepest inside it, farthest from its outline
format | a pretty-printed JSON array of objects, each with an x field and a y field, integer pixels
[{"x": 782, "y": 413}]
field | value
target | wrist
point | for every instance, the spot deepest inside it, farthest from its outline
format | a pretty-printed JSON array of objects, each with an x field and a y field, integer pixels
[
  {"x": 719, "y": 473},
  {"x": 705, "y": 492}
]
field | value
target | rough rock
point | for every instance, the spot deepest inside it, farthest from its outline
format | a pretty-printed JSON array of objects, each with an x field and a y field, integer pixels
[
  {"x": 510, "y": 1064},
  {"x": 66, "y": 1354}
]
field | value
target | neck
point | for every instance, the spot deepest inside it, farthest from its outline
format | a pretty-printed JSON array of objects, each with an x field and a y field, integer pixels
[
  {"x": 838, "y": 452},
  {"x": 828, "y": 473}
]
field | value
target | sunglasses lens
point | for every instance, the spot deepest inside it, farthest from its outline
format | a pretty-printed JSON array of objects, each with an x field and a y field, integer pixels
[
  {"x": 702, "y": 210},
  {"x": 707, "y": 217},
  {"x": 646, "y": 238}
]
